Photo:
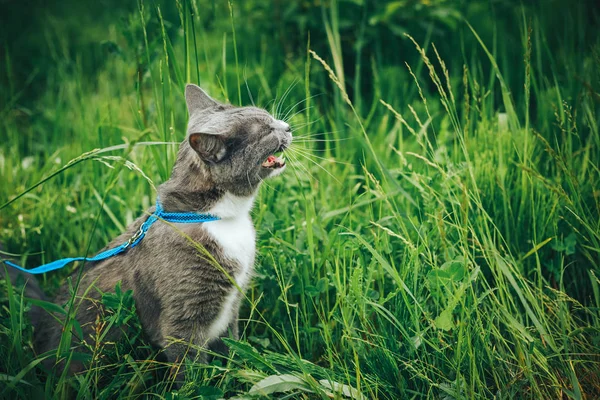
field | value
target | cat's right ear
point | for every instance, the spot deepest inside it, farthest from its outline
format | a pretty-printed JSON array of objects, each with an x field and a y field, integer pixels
[
  {"x": 210, "y": 148},
  {"x": 197, "y": 99}
]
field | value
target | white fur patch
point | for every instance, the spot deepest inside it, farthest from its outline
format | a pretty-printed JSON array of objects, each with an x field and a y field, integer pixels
[
  {"x": 279, "y": 124},
  {"x": 219, "y": 325},
  {"x": 235, "y": 235}
]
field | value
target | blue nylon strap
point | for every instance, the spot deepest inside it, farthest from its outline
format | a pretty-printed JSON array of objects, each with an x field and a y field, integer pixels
[{"x": 159, "y": 213}]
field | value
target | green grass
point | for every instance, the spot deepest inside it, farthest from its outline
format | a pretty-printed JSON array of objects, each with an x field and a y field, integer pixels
[{"x": 437, "y": 233}]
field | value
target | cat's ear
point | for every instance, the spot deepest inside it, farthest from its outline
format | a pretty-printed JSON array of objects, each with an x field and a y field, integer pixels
[
  {"x": 197, "y": 99},
  {"x": 210, "y": 148}
]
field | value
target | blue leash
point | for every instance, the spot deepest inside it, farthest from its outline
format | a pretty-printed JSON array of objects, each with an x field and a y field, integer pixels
[{"x": 159, "y": 213}]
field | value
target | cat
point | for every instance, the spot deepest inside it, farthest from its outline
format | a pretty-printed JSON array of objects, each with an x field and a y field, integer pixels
[{"x": 181, "y": 293}]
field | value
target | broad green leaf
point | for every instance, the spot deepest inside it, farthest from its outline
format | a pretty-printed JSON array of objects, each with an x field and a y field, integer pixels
[
  {"x": 346, "y": 390},
  {"x": 48, "y": 306},
  {"x": 444, "y": 320},
  {"x": 8, "y": 378},
  {"x": 279, "y": 383},
  {"x": 249, "y": 354}
]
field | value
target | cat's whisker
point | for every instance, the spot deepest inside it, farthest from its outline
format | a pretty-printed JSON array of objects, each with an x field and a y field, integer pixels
[
  {"x": 311, "y": 146},
  {"x": 298, "y": 112},
  {"x": 298, "y": 139},
  {"x": 296, "y": 128},
  {"x": 307, "y": 154},
  {"x": 301, "y": 153},
  {"x": 306, "y": 141},
  {"x": 270, "y": 103},
  {"x": 316, "y": 134},
  {"x": 297, "y": 164},
  {"x": 262, "y": 181},
  {"x": 248, "y": 89},
  {"x": 289, "y": 109},
  {"x": 290, "y": 161},
  {"x": 310, "y": 149},
  {"x": 317, "y": 164},
  {"x": 273, "y": 106},
  {"x": 283, "y": 97}
]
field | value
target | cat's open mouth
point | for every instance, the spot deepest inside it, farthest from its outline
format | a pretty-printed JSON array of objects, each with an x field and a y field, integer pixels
[{"x": 273, "y": 162}]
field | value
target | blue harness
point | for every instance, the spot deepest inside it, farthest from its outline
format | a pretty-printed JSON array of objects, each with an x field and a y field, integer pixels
[{"x": 159, "y": 213}]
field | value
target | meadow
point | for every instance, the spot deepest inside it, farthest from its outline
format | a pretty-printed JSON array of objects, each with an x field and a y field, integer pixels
[{"x": 436, "y": 233}]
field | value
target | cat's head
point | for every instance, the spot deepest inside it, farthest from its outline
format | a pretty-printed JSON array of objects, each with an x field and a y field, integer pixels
[{"x": 234, "y": 146}]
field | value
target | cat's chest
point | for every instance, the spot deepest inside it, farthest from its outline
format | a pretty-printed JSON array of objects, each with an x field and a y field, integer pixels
[
  {"x": 234, "y": 233},
  {"x": 236, "y": 239}
]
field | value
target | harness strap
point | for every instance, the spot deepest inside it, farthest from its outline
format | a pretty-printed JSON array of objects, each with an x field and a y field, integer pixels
[{"x": 159, "y": 213}]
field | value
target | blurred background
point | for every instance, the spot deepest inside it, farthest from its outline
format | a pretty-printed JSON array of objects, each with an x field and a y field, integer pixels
[{"x": 367, "y": 39}]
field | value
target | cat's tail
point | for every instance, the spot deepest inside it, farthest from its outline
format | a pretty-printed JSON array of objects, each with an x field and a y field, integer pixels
[{"x": 28, "y": 284}]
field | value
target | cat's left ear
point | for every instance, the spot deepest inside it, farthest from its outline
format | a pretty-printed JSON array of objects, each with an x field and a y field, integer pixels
[
  {"x": 210, "y": 148},
  {"x": 197, "y": 99}
]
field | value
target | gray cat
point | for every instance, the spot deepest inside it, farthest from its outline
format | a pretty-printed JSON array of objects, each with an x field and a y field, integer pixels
[{"x": 180, "y": 292}]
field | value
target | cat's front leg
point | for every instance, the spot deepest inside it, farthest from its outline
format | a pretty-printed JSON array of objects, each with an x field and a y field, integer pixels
[
  {"x": 177, "y": 349},
  {"x": 234, "y": 327},
  {"x": 218, "y": 346}
]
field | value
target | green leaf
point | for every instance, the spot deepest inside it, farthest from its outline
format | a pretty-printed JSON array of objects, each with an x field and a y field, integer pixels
[
  {"x": 111, "y": 301},
  {"x": 444, "y": 320},
  {"x": 570, "y": 242},
  {"x": 322, "y": 285},
  {"x": 77, "y": 327},
  {"x": 346, "y": 390},
  {"x": 8, "y": 378},
  {"x": 279, "y": 383},
  {"x": 311, "y": 291},
  {"x": 566, "y": 245},
  {"x": 451, "y": 272},
  {"x": 120, "y": 304},
  {"x": 249, "y": 354},
  {"x": 263, "y": 342},
  {"x": 48, "y": 306},
  {"x": 209, "y": 393}
]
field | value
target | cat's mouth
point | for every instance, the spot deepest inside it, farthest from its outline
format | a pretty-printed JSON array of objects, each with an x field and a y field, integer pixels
[{"x": 274, "y": 162}]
